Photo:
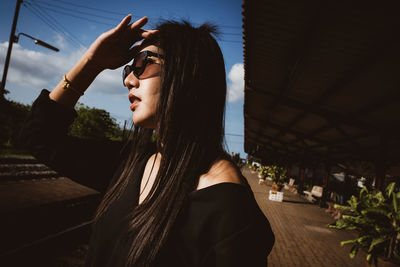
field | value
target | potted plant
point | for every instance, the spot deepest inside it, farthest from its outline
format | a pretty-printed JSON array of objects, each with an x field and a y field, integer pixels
[
  {"x": 376, "y": 216},
  {"x": 278, "y": 175},
  {"x": 262, "y": 173},
  {"x": 253, "y": 168},
  {"x": 250, "y": 164},
  {"x": 237, "y": 160}
]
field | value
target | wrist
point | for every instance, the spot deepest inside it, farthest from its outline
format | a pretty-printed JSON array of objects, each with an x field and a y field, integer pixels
[
  {"x": 83, "y": 74},
  {"x": 90, "y": 66}
]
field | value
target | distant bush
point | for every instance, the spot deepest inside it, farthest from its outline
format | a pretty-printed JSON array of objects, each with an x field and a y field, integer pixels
[
  {"x": 12, "y": 117},
  {"x": 94, "y": 123},
  {"x": 91, "y": 123},
  {"x": 237, "y": 160}
]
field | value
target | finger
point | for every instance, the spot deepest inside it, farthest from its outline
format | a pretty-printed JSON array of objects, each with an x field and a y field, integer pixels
[
  {"x": 148, "y": 33},
  {"x": 134, "y": 50},
  {"x": 125, "y": 21},
  {"x": 139, "y": 23}
]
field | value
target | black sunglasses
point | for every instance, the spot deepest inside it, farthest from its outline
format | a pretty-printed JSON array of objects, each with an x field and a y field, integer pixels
[{"x": 139, "y": 64}]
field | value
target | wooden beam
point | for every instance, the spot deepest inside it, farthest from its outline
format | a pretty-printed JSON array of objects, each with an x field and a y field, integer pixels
[
  {"x": 315, "y": 109},
  {"x": 390, "y": 98},
  {"x": 273, "y": 139},
  {"x": 279, "y": 127}
]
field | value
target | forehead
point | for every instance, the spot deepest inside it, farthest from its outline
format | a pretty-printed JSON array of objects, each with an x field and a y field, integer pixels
[{"x": 152, "y": 48}]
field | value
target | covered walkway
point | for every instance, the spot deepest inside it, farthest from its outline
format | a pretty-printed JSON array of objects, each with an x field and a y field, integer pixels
[{"x": 302, "y": 238}]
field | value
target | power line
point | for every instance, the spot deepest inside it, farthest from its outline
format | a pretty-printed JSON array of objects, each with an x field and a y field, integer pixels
[
  {"x": 40, "y": 17},
  {"x": 66, "y": 32},
  {"x": 113, "y": 12},
  {"x": 109, "y": 24},
  {"x": 77, "y": 11},
  {"x": 229, "y": 33},
  {"x": 52, "y": 25},
  {"x": 45, "y": 21},
  {"x": 78, "y": 17},
  {"x": 219, "y": 26},
  {"x": 90, "y": 8},
  {"x": 48, "y": 22},
  {"x": 231, "y": 41},
  {"x": 232, "y": 27},
  {"x": 240, "y": 135}
]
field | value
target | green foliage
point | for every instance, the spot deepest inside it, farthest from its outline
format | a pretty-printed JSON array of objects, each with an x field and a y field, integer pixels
[
  {"x": 376, "y": 217},
  {"x": 93, "y": 123},
  {"x": 263, "y": 171},
  {"x": 12, "y": 117},
  {"x": 278, "y": 174},
  {"x": 90, "y": 123},
  {"x": 254, "y": 167},
  {"x": 251, "y": 163},
  {"x": 237, "y": 160}
]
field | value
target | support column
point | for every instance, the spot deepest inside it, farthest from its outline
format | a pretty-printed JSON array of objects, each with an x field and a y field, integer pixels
[
  {"x": 381, "y": 165},
  {"x": 380, "y": 175},
  {"x": 301, "y": 179},
  {"x": 288, "y": 170},
  {"x": 327, "y": 171},
  {"x": 325, "y": 185}
]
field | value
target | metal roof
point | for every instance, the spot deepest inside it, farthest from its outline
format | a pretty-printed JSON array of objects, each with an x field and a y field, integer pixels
[{"x": 322, "y": 80}]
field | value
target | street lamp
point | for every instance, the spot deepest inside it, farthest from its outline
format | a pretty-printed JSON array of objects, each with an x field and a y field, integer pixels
[
  {"x": 37, "y": 41},
  {"x": 13, "y": 39}
]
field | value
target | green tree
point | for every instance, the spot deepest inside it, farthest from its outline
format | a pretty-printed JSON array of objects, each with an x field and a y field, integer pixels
[
  {"x": 93, "y": 123},
  {"x": 12, "y": 116},
  {"x": 237, "y": 160}
]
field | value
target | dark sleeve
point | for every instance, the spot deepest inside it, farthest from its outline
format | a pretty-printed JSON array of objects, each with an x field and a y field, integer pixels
[
  {"x": 249, "y": 246},
  {"x": 241, "y": 232},
  {"x": 44, "y": 134}
]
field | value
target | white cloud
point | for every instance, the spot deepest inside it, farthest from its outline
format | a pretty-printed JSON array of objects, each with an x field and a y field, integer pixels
[
  {"x": 236, "y": 82},
  {"x": 109, "y": 82},
  {"x": 43, "y": 70},
  {"x": 36, "y": 69},
  {"x": 31, "y": 68},
  {"x": 60, "y": 41}
]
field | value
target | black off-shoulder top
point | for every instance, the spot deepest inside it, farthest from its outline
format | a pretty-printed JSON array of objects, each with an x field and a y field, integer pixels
[{"x": 221, "y": 225}]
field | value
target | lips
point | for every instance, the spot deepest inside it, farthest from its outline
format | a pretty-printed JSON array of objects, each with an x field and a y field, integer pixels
[{"x": 134, "y": 100}]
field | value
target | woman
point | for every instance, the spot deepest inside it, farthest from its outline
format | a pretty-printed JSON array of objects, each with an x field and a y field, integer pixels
[{"x": 178, "y": 201}]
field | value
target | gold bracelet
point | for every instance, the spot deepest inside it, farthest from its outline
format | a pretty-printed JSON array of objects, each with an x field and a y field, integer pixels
[{"x": 68, "y": 85}]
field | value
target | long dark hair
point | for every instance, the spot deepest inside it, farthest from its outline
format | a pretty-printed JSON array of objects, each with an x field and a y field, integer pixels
[{"x": 189, "y": 135}]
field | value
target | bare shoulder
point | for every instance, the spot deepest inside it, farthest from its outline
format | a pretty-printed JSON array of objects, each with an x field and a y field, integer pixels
[{"x": 222, "y": 171}]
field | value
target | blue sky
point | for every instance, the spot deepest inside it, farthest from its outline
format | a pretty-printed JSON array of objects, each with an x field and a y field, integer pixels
[{"x": 72, "y": 25}]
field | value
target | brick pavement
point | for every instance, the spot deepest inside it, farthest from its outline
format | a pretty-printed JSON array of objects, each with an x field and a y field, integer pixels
[{"x": 301, "y": 235}]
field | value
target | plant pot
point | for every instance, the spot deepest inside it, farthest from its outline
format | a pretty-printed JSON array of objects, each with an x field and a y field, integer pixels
[
  {"x": 277, "y": 187},
  {"x": 280, "y": 186},
  {"x": 274, "y": 187},
  {"x": 380, "y": 263}
]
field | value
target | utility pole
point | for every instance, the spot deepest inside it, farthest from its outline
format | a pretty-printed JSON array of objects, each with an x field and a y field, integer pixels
[{"x": 10, "y": 45}]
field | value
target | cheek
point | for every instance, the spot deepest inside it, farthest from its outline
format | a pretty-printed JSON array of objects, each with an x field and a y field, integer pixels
[{"x": 152, "y": 95}]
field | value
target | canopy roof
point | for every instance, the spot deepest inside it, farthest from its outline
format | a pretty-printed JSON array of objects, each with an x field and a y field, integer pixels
[{"x": 322, "y": 80}]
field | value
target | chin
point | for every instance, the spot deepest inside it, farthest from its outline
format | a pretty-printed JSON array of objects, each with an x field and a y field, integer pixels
[{"x": 146, "y": 123}]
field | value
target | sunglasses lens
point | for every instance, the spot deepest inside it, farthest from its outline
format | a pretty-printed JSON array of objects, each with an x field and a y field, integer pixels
[
  {"x": 139, "y": 64},
  {"x": 127, "y": 69}
]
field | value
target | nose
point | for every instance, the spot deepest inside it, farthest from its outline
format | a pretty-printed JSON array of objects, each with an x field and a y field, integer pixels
[{"x": 131, "y": 81}]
